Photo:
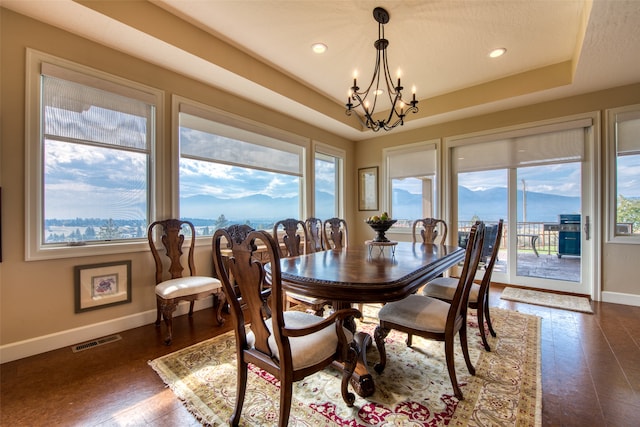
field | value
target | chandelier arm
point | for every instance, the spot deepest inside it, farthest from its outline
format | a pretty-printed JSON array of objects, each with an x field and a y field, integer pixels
[
  {"x": 387, "y": 75},
  {"x": 369, "y": 122},
  {"x": 375, "y": 78},
  {"x": 364, "y": 123},
  {"x": 394, "y": 93},
  {"x": 393, "y": 111}
]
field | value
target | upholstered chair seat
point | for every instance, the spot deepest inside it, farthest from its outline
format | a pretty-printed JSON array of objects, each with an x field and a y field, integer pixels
[
  {"x": 307, "y": 350},
  {"x": 444, "y": 288},
  {"x": 417, "y": 312},
  {"x": 185, "y": 286}
]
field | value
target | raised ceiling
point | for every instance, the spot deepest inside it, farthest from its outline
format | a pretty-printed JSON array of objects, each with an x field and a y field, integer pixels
[{"x": 261, "y": 50}]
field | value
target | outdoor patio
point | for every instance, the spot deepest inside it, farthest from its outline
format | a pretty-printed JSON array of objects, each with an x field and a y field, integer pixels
[
  {"x": 547, "y": 266},
  {"x": 538, "y": 256}
]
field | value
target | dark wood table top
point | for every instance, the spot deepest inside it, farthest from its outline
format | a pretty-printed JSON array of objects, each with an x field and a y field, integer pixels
[{"x": 353, "y": 274}]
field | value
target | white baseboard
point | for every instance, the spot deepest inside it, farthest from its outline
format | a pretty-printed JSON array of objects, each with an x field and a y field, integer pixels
[
  {"x": 33, "y": 346},
  {"x": 620, "y": 298}
]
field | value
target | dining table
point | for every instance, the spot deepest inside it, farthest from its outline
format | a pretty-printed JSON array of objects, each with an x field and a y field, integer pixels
[{"x": 357, "y": 275}]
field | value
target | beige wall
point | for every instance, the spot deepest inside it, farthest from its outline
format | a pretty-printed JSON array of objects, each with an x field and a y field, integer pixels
[{"x": 37, "y": 298}]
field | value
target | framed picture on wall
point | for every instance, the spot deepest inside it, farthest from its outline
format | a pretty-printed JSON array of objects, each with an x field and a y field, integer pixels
[
  {"x": 368, "y": 189},
  {"x": 102, "y": 285}
]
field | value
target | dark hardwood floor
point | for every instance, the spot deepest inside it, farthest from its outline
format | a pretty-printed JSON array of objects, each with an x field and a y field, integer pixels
[{"x": 590, "y": 373}]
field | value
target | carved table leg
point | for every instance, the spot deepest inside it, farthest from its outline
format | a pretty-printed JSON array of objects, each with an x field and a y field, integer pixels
[{"x": 361, "y": 381}]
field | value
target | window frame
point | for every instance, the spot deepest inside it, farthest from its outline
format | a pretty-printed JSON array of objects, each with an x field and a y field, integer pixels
[
  {"x": 436, "y": 190},
  {"x": 180, "y": 103},
  {"x": 333, "y": 152},
  {"x": 34, "y": 177},
  {"x": 611, "y": 155}
]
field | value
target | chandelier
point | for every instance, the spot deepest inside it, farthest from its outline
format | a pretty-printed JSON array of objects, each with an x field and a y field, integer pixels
[{"x": 381, "y": 83}]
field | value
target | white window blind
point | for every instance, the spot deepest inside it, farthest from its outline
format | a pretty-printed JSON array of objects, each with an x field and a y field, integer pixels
[
  {"x": 85, "y": 108},
  {"x": 628, "y": 133},
  {"x": 412, "y": 162},
  {"x": 211, "y": 140},
  {"x": 557, "y": 143}
]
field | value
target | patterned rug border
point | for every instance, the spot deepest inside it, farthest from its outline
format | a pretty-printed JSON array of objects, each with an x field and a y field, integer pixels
[
  {"x": 467, "y": 412},
  {"x": 547, "y": 299}
]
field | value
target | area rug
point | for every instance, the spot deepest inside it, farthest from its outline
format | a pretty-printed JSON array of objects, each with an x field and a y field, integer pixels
[
  {"x": 547, "y": 299},
  {"x": 414, "y": 389}
]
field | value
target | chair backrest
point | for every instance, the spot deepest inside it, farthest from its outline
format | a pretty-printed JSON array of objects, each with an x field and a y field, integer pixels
[
  {"x": 248, "y": 289},
  {"x": 289, "y": 232},
  {"x": 335, "y": 233},
  {"x": 172, "y": 235},
  {"x": 314, "y": 235},
  {"x": 458, "y": 310},
  {"x": 489, "y": 242},
  {"x": 430, "y": 230},
  {"x": 492, "y": 233}
]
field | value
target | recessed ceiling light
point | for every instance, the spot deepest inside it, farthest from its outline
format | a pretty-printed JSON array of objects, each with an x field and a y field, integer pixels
[
  {"x": 495, "y": 53},
  {"x": 319, "y": 47}
]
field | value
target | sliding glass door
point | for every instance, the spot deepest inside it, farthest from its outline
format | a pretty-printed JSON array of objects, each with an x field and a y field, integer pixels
[
  {"x": 548, "y": 232},
  {"x": 539, "y": 181}
]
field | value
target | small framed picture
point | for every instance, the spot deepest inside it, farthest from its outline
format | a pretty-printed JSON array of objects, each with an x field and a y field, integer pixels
[
  {"x": 368, "y": 189},
  {"x": 102, "y": 285}
]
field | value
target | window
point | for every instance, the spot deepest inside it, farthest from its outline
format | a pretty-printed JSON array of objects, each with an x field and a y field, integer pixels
[
  {"x": 92, "y": 159},
  {"x": 234, "y": 172},
  {"x": 328, "y": 172},
  {"x": 624, "y": 154},
  {"x": 411, "y": 183}
]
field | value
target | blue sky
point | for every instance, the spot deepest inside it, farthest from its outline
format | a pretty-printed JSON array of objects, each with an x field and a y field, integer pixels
[
  {"x": 205, "y": 178},
  {"x": 562, "y": 179}
]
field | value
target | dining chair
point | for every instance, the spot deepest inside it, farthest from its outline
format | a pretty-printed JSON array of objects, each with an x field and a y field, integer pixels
[
  {"x": 289, "y": 345},
  {"x": 335, "y": 233},
  {"x": 444, "y": 288},
  {"x": 432, "y": 318},
  {"x": 314, "y": 235},
  {"x": 430, "y": 230},
  {"x": 172, "y": 286},
  {"x": 287, "y": 233}
]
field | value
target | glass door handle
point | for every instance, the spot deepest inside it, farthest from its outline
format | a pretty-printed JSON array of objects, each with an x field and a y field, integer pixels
[{"x": 587, "y": 227}]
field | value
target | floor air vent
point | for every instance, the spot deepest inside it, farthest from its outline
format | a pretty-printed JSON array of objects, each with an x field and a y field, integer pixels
[{"x": 95, "y": 343}]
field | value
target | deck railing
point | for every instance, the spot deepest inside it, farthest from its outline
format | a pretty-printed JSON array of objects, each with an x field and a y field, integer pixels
[{"x": 547, "y": 241}]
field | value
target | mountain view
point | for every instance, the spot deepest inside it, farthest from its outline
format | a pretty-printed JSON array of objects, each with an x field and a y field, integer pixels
[
  {"x": 485, "y": 204},
  {"x": 262, "y": 212},
  {"x": 490, "y": 205}
]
